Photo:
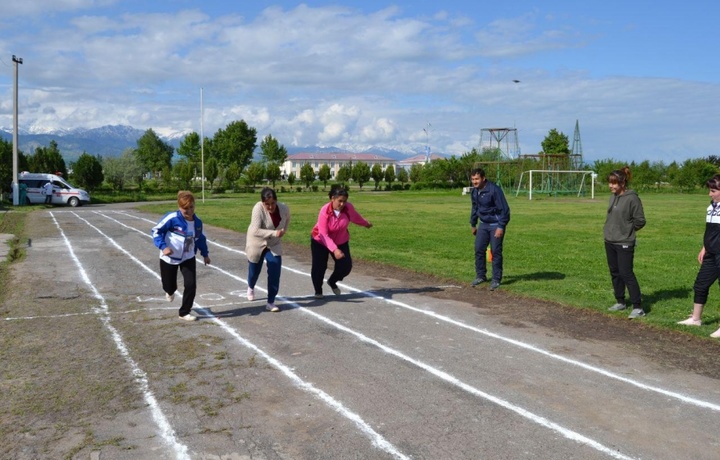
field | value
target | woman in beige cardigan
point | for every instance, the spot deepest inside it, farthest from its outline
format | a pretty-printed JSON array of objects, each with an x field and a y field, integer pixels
[{"x": 268, "y": 224}]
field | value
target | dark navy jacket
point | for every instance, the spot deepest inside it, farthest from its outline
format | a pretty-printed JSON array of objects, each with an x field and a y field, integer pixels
[{"x": 489, "y": 206}]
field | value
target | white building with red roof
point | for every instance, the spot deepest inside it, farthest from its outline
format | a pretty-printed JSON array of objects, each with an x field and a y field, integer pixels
[{"x": 333, "y": 160}]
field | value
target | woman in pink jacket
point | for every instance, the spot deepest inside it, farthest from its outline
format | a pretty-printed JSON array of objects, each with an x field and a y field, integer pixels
[{"x": 330, "y": 236}]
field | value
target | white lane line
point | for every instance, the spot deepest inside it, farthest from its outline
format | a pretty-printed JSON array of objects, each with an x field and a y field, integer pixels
[
  {"x": 96, "y": 311},
  {"x": 672, "y": 394},
  {"x": 565, "y": 432},
  {"x": 376, "y": 438},
  {"x": 166, "y": 431}
]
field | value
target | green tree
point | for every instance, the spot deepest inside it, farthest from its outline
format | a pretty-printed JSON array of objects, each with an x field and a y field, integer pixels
[
  {"x": 272, "y": 173},
  {"x": 693, "y": 174},
  {"x": 555, "y": 143},
  {"x": 190, "y": 149},
  {"x": 235, "y": 144},
  {"x": 48, "y": 160},
  {"x": 232, "y": 174},
  {"x": 272, "y": 151},
  {"x": 254, "y": 173},
  {"x": 402, "y": 176},
  {"x": 307, "y": 174},
  {"x": 88, "y": 172},
  {"x": 291, "y": 179},
  {"x": 123, "y": 170},
  {"x": 6, "y": 165},
  {"x": 184, "y": 171},
  {"x": 344, "y": 173},
  {"x": 153, "y": 154},
  {"x": 416, "y": 173},
  {"x": 435, "y": 173},
  {"x": 390, "y": 175},
  {"x": 324, "y": 174},
  {"x": 361, "y": 173},
  {"x": 211, "y": 171},
  {"x": 377, "y": 174}
]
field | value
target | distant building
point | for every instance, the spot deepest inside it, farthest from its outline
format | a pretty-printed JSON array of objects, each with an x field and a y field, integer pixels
[
  {"x": 406, "y": 163},
  {"x": 333, "y": 160}
]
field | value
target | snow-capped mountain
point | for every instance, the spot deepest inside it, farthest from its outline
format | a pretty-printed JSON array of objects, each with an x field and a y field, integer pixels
[{"x": 112, "y": 140}]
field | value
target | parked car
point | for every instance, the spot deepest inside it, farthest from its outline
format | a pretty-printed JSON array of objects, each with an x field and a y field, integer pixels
[{"x": 63, "y": 192}]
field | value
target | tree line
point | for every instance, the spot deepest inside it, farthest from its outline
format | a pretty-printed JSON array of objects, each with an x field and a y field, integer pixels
[{"x": 227, "y": 160}]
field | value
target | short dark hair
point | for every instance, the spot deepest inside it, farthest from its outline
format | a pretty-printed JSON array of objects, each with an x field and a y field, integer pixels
[
  {"x": 713, "y": 183},
  {"x": 266, "y": 193},
  {"x": 337, "y": 190},
  {"x": 477, "y": 172}
]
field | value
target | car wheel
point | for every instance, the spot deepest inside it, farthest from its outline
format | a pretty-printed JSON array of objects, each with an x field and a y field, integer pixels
[{"x": 74, "y": 202}]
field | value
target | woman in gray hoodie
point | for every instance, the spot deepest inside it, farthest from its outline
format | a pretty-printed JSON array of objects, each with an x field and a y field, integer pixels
[{"x": 625, "y": 217}]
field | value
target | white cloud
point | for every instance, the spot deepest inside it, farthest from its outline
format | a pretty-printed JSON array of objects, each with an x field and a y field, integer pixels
[{"x": 337, "y": 76}]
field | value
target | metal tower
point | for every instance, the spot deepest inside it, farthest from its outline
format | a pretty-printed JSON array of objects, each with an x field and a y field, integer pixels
[
  {"x": 503, "y": 139},
  {"x": 577, "y": 153}
]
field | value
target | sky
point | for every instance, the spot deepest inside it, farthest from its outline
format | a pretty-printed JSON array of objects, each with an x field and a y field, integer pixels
[{"x": 640, "y": 78}]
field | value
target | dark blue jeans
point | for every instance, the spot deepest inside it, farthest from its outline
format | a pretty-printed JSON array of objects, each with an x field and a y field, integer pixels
[
  {"x": 274, "y": 267},
  {"x": 620, "y": 260},
  {"x": 485, "y": 236}
]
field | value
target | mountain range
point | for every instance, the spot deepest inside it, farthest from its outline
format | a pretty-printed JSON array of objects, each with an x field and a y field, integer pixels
[{"x": 111, "y": 140}]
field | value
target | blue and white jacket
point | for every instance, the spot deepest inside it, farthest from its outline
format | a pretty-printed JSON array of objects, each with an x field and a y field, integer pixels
[{"x": 175, "y": 232}]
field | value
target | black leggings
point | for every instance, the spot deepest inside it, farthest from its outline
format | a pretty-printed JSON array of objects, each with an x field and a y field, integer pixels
[
  {"x": 168, "y": 275},
  {"x": 708, "y": 274},
  {"x": 620, "y": 259},
  {"x": 320, "y": 253}
]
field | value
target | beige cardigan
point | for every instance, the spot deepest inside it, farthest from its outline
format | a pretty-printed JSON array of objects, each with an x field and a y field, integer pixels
[{"x": 261, "y": 232}]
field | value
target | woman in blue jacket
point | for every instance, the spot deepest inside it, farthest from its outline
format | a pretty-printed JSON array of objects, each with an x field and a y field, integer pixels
[{"x": 179, "y": 235}]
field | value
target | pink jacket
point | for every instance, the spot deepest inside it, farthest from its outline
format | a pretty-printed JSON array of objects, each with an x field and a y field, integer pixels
[{"x": 331, "y": 230}]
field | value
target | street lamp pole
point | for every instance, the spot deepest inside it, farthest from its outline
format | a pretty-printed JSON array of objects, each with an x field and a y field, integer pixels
[{"x": 15, "y": 186}]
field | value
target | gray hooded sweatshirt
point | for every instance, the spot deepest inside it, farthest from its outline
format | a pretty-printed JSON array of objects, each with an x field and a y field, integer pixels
[{"x": 625, "y": 216}]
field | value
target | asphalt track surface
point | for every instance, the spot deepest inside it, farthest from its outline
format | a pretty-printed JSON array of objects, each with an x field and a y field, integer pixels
[{"x": 381, "y": 371}]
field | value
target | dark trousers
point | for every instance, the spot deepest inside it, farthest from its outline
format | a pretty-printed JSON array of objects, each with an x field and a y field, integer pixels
[
  {"x": 320, "y": 254},
  {"x": 274, "y": 267},
  {"x": 485, "y": 236},
  {"x": 48, "y": 199},
  {"x": 620, "y": 259},
  {"x": 708, "y": 274},
  {"x": 168, "y": 275}
]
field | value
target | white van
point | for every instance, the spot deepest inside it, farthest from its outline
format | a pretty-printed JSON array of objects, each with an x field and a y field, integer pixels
[{"x": 63, "y": 193}]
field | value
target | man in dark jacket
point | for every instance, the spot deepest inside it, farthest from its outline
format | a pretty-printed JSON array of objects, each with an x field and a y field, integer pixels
[{"x": 489, "y": 216}]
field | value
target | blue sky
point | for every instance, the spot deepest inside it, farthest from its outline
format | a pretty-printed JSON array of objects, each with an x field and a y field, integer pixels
[{"x": 641, "y": 77}]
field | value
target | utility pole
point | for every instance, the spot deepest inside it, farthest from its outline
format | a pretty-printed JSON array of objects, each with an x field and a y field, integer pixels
[
  {"x": 15, "y": 185},
  {"x": 202, "y": 147}
]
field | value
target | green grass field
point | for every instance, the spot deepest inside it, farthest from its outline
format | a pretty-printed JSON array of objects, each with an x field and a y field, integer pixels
[{"x": 553, "y": 247}]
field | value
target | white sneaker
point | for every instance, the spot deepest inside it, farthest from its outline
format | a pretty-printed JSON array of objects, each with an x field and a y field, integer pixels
[
  {"x": 691, "y": 322},
  {"x": 251, "y": 294},
  {"x": 188, "y": 317},
  {"x": 170, "y": 297},
  {"x": 716, "y": 334},
  {"x": 272, "y": 307}
]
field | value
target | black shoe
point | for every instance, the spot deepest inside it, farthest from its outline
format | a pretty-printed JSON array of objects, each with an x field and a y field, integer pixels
[
  {"x": 494, "y": 285},
  {"x": 477, "y": 281},
  {"x": 336, "y": 290}
]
